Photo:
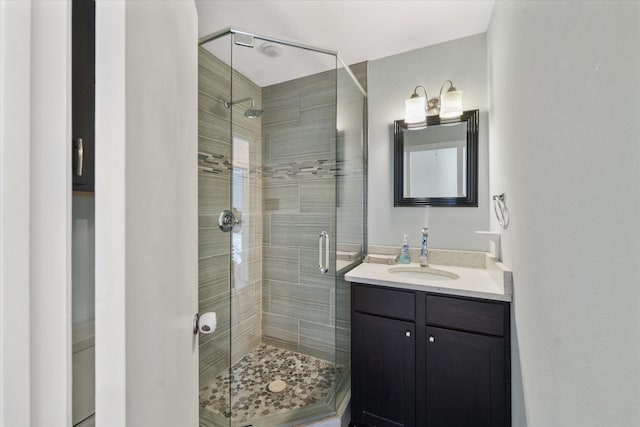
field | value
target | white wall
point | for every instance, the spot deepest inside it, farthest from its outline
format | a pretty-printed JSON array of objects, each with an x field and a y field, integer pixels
[
  {"x": 146, "y": 213},
  {"x": 391, "y": 80},
  {"x": 565, "y": 148},
  {"x": 35, "y": 214},
  {"x": 15, "y": 90}
]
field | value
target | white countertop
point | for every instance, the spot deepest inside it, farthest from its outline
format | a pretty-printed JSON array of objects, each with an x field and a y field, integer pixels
[{"x": 493, "y": 282}]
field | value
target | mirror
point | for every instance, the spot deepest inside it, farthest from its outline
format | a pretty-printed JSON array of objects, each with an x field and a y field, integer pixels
[{"x": 437, "y": 165}]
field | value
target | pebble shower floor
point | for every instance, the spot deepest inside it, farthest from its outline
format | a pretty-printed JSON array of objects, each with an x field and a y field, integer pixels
[{"x": 309, "y": 381}]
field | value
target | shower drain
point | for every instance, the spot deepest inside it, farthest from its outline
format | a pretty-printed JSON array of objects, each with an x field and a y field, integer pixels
[{"x": 276, "y": 386}]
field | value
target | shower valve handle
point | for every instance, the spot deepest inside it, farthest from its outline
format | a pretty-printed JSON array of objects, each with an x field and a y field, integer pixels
[{"x": 227, "y": 220}]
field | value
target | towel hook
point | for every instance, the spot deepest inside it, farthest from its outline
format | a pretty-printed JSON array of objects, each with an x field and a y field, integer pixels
[{"x": 501, "y": 210}]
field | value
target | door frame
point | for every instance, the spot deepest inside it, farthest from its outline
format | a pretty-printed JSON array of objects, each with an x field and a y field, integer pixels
[
  {"x": 35, "y": 216},
  {"x": 35, "y": 213}
]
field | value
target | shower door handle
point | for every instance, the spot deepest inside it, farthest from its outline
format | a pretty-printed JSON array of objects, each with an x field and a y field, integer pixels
[{"x": 323, "y": 264}]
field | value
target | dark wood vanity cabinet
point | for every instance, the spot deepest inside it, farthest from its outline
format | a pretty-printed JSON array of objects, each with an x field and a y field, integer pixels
[
  {"x": 421, "y": 359},
  {"x": 465, "y": 379},
  {"x": 83, "y": 94},
  {"x": 386, "y": 360}
]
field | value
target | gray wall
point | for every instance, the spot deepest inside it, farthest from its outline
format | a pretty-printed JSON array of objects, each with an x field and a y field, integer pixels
[
  {"x": 565, "y": 101},
  {"x": 391, "y": 81}
]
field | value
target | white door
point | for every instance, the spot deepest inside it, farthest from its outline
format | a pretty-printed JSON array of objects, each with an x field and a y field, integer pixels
[{"x": 146, "y": 214}]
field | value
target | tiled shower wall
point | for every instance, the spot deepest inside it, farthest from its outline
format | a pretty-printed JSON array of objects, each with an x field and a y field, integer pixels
[
  {"x": 242, "y": 247},
  {"x": 299, "y": 200}
]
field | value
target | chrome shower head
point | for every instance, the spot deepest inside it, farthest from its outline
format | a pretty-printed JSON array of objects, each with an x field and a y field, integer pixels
[{"x": 252, "y": 112}]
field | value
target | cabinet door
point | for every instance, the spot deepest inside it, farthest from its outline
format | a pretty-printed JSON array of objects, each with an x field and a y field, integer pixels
[
  {"x": 383, "y": 371},
  {"x": 465, "y": 379},
  {"x": 83, "y": 93}
]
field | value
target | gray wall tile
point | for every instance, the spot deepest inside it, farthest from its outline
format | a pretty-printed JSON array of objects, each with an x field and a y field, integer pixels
[
  {"x": 266, "y": 228},
  {"x": 318, "y": 195},
  {"x": 281, "y": 328},
  {"x": 211, "y": 241},
  {"x": 287, "y": 194},
  {"x": 213, "y": 276},
  {"x": 310, "y": 272},
  {"x": 298, "y": 231},
  {"x": 299, "y": 142},
  {"x": 360, "y": 71},
  {"x": 281, "y": 264},
  {"x": 280, "y": 107},
  {"x": 300, "y": 302},
  {"x": 317, "y": 340}
]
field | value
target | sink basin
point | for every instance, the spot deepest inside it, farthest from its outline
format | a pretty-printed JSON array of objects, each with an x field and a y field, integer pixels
[{"x": 423, "y": 273}]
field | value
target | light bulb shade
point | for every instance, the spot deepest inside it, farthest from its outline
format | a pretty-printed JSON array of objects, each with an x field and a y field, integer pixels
[
  {"x": 414, "y": 110},
  {"x": 451, "y": 104}
]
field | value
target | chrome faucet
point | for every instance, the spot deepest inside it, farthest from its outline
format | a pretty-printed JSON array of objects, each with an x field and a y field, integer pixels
[{"x": 424, "y": 253}]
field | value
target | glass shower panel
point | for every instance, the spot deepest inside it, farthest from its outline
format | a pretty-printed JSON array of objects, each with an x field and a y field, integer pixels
[
  {"x": 214, "y": 245},
  {"x": 283, "y": 113},
  {"x": 350, "y": 213},
  {"x": 282, "y": 147}
]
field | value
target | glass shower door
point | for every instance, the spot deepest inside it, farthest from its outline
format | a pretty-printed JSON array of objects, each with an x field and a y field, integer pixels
[
  {"x": 282, "y": 304},
  {"x": 281, "y": 146},
  {"x": 214, "y": 244},
  {"x": 351, "y": 154}
]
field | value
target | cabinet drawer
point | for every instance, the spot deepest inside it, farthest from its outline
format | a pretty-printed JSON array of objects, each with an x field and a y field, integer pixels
[
  {"x": 384, "y": 302},
  {"x": 468, "y": 315}
]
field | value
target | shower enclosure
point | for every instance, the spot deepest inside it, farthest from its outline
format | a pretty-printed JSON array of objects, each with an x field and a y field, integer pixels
[{"x": 281, "y": 170}]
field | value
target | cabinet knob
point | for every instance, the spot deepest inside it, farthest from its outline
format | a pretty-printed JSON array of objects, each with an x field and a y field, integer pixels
[
  {"x": 407, "y": 334},
  {"x": 431, "y": 338}
]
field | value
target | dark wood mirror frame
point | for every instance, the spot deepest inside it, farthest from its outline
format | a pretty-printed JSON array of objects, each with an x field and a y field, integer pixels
[{"x": 471, "y": 200}]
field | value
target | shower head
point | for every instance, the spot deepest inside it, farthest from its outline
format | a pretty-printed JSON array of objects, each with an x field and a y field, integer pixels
[{"x": 252, "y": 112}]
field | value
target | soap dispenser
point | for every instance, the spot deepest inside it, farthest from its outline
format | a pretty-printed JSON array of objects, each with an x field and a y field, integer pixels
[{"x": 405, "y": 258}]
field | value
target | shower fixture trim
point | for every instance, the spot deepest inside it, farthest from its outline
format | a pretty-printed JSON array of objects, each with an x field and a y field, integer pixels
[{"x": 233, "y": 30}]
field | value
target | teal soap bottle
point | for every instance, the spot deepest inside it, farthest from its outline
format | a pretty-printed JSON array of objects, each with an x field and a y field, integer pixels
[{"x": 404, "y": 252}]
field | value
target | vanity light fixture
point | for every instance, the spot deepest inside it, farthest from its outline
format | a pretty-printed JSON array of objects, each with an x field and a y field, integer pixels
[
  {"x": 450, "y": 101},
  {"x": 415, "y": 112},
  {"x": 448, "y": 105}
]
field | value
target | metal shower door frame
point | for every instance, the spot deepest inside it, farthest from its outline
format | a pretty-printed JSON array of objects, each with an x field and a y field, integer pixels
[{"x": 233, "y": 30}]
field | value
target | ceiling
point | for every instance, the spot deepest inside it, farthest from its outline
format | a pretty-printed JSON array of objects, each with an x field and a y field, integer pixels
[{"x": 358, "y": 30}]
